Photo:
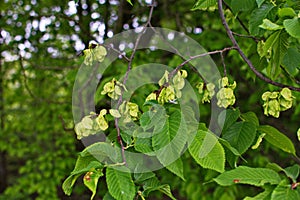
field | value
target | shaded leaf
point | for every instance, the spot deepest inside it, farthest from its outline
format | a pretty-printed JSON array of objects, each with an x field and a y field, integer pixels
[
  {"x": 226, "y": 144},
  {"x": 240, "y": 135},
  {"x": 176, "y": 168},
  {"x": 277, "y": 139},
  {"x": 107, "y": 196},
  {"x": 277, "y": 44},
  {"x": 260, "y": 2},
  {"x": 257, "y": 17},
  {"x": 214, "y": 158},
  {"x": 120, "y": 184},
  {"x": 153, "y": 184},
  {"x": 250, "y": 117},
  {"x": 237, "y": 6},
  {"x": 140, "y": 177},
  {"x": 265, "y": 195},
  {"x": 292, "y": 172},
  {"x": 170, "y": 141},
  {"x": 228, "y": 117},
  {"x": 292, "y": 26},
  {"x": 203, "y": 4},
  {"x": 284, "y": 192},
  {"x": 291, "y": 61}
]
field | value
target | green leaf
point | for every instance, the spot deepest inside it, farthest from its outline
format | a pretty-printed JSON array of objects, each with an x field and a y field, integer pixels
[
  {"x": 83, "y": 165},
  {"x": 167, "y": 191},
  {"x": 153, "y": 184},
  {"x": 214, "y": 153},
  {"x": 237, "y": 6},
  {"x": 286, "y": 12},
  {"x": 170, "y": 142},
  {"x": 90, "y": 180},
  {"x": 265, "y": 195},
  {"x": 248, "y": 175},
  {"x": 268, "y": 25},
  {"x": 274, "y": 167},
  {"x": 240, "y": 135},
  {"x": 143, "y": 145},
  {"x": 271, "y": 41},
  {"x": 257, "y": 17},
  {"x": 292, "y": 26},
  {"x": 250, "y": 117},
  {"x": 277, "y": 43},
  {"x": 107, "y": 196},
  {"x": 277, "y": 139},
  {"x": 203, "y": 4},
  {"x": 154, "y": 118},
  {"x": 291, "y": 61},
  {"x": 228, "y": 117},
  {"x": 68, "y": 184},
  {"x": 284, "y": 192},
  {"x": 226, "y": 144},
  {"x": 176, "y": 168},
  {"x": 101, "y": 151},
  {"x": 140, "y": 177},
  {"x": 292, "y": 172},
  {"x": 120, "y": 184},
  {"x": 129, "y": 1},
  {"x": 260, "y": 2}
]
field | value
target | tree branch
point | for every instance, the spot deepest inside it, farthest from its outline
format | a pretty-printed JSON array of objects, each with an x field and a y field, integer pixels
[
  {"x": 198, "y": 56},
  {"x": 249, "y": 63},
  {"x": 129, "y": 66}
]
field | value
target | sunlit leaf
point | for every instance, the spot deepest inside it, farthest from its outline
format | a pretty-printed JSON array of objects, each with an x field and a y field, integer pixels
[{"x": 248, "y": 175}]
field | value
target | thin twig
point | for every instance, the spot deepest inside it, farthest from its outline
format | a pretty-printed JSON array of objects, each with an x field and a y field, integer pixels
[
  {"x": 249, "y": 63},
  {"x": 246, "y": 36},
  {"x": 198, "y": 56},
  {"x": 171, "y": 74},
  {"x": 238, "y": 18},
  {"x": 117, "y": 51},
  {"x": 223, "y": 62},
  {"x": 129, "y": 66}
]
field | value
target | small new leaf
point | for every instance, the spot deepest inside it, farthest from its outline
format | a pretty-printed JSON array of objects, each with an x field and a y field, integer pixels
[{"x": 129, "y": 1}]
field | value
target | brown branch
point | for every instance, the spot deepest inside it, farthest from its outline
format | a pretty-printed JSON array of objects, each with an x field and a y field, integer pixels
[
  {"x": 117, "y": 51},
  {"x": 223, "y": 62},
  {"x": 238, "y": 18},
  {"x": 64, "y": 125},
  {"x": 198, "y": 56},
  {"x": 249, "y": 63},
  {"x": 137, "y": 42},
  {"x": 246, "y": 36}
]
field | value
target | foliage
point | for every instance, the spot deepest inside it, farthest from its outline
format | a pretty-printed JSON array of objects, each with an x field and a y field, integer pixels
[{"x": 248, "y": 150}]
